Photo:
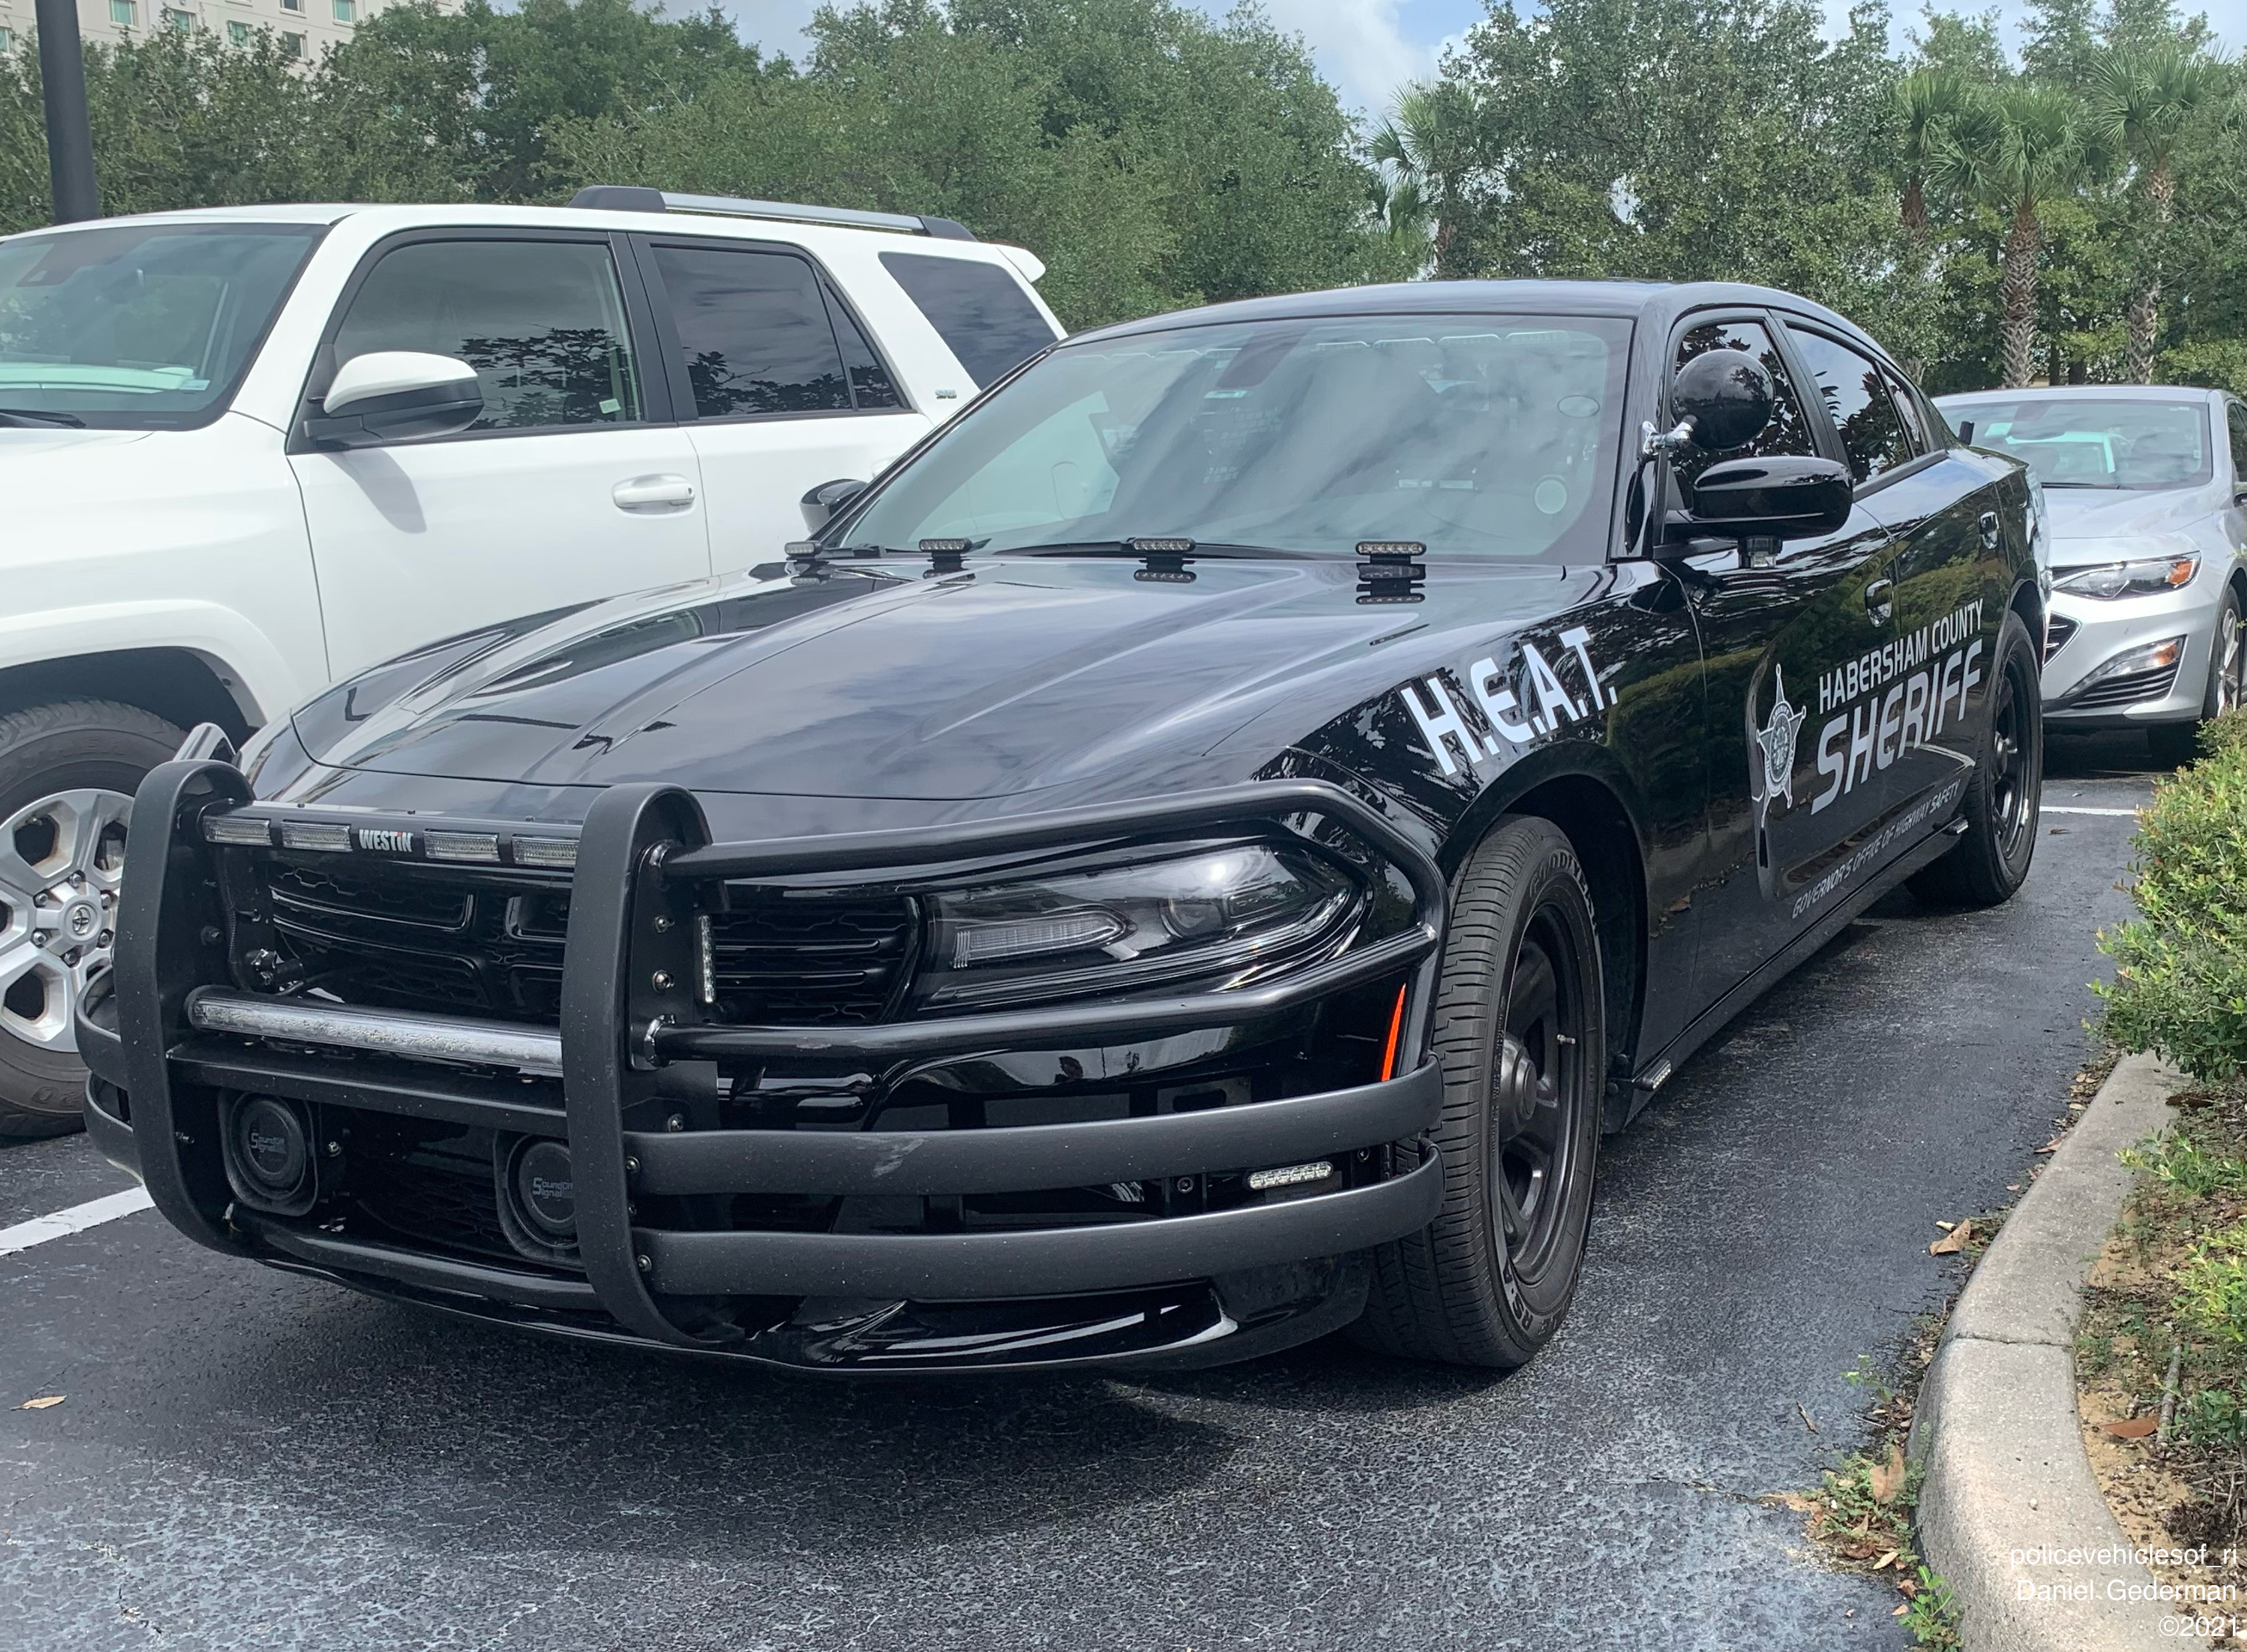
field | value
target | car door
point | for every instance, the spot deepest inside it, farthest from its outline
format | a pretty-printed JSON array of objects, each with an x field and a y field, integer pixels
[
  {"x": 783, "y": 387},
  {"x": 1941, "y": 514},
  {"x": 574, "y": 484},
  {"x": 1779, "y": 623}
]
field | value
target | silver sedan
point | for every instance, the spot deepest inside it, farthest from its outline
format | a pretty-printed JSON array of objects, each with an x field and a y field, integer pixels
[{"x": 2145, "y": 515}]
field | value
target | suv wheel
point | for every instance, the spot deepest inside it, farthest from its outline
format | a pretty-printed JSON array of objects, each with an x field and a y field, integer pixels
[
  {"x": 67, "y": 775},
  {"x": 2002, "y": 798},
  {"x": 1521, "y": 1030}
]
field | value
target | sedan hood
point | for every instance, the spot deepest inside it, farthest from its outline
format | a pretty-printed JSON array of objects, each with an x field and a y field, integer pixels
[
  {"x": 872, "y": 681},
  {"x": 2107, "y": 514}
]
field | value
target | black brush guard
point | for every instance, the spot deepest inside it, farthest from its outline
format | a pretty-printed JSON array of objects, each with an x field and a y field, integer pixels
[{"x": 625, "y": 1028}]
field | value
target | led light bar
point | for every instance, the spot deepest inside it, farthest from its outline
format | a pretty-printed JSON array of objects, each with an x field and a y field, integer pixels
[
  {"x": 1290, "y": 1176},
  {"x": 241, "y": 830},
  {"x": 428, "y": 1038},
  {"x": 462, "y": 846},
  {"x": 557, "y": 852},
  {"x": 316, "y": 835}
]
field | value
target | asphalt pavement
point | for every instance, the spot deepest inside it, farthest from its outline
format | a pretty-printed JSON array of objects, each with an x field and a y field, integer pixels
[{"x": 245, "y": 1459}]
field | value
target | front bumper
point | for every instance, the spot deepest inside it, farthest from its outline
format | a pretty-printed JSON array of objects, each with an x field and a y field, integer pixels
[
  {"x": 2088, "y": 632},
  {"x": 624, "y": 1084}
]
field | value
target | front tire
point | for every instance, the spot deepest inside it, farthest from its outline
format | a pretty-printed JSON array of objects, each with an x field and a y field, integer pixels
[
  {"x": 2176, "y": 744},
  {"x": 1521, "y": 1030},
  {"x": 2006, "y": 794},
  {"x": 67, "y": 776}
]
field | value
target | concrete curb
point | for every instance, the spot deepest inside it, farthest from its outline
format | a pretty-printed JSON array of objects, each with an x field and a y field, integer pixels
[{"x": 2009, "y": 1512}]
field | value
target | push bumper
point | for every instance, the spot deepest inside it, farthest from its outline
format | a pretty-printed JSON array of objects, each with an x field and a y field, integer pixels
[{"x": 174, "y": 1036}]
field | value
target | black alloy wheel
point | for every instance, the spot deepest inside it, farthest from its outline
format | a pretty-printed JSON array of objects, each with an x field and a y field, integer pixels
[
  {"x": 1520, "y": 1029},
  {"x": 2004, "y": 793}
]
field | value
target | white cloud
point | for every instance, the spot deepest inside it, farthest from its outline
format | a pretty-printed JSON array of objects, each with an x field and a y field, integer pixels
[{"x": 1365, "y": 47}]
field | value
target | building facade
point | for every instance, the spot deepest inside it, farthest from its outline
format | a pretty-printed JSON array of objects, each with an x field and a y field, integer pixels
[{"x": 304, "y": 27}]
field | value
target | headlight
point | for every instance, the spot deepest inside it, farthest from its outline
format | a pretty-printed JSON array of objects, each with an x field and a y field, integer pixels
[
  {"x": 1221, "y": 914},
  {"x": 2147, "y": 578}
]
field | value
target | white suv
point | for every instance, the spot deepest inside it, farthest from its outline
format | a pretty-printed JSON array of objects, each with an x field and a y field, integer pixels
[{"x": 247, "y": 452}]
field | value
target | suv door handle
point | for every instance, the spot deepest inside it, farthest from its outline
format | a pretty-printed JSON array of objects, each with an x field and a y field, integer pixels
[
  {"x": 654, "y": 492},
  {"x": 1879, "y": 600},
  {"x": 1987, "y": 521}
]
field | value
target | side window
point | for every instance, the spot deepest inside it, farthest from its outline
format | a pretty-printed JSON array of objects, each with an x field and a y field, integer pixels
[
  {"x": 1789, "y": 429},
  {"x": 2236, "y": 412},
  {"x": 541, "y": 322},
  {"x": 1872, "y": 436},
  {"x": 754, "y": 333},
  {"x": 870, "y": 384},
  {"x": 978, "y": 310},
  {"x": 1907, "y": 409}
]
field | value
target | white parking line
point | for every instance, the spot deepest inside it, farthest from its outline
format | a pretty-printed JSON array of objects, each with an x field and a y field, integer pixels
[
  {"x": 76, "y": 1219},
  {"x": 2064, "y": 808}
]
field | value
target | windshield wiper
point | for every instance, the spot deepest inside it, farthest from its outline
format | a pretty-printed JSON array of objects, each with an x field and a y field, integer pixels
[
  {"x": 38, "y": 416},
  {"x": 2096, "y": 486},
  {"x": 1123, "y": 548}
]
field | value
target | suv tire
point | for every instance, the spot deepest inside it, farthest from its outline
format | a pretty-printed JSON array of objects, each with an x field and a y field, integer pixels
[
  {"x": 1521, "y": 1030},
  {"x": 1986, "y": 865},
  {"x": 67, "y": 775}
]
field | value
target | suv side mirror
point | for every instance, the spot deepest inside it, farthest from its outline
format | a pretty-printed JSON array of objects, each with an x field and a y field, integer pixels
[
  {"x": 823, "y": 504},
  {"x": 396, "y": 395},
  {"x": 1782, "y": 496},
  {"x": 1728, "y": 396}
]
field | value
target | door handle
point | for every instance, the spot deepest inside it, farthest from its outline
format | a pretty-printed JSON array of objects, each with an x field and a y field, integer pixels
[
  {"x": 1879, "y": 600},
  {"x": 654, "y": 492},
  {"x": 1988, "y": 523}
]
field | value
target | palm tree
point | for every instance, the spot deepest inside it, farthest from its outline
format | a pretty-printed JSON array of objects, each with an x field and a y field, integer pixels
[
  {"x": 2014, "y": 149},
  {"x": 1928, "y": 101},
  {"x": 1424, "y": 148},
  {"x": 2142, "y": 101}
]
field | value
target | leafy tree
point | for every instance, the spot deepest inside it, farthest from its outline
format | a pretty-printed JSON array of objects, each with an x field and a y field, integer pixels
[{"x": 2143, "y": 99}]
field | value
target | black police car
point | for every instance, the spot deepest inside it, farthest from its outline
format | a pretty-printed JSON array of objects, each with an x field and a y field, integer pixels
[{"x": 1191, "y": 858}]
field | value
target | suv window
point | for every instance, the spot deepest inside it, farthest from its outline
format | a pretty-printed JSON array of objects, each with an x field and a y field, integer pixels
[
  {"x": 1857, "y": 401},
  {"x": 541, "y": 322},
  {"x": 1907, "y": 409},
  {"x": 1789, "y": 429},
  {"x": 754, "y": 333},
  {"x": 2236, "y": 412},
  {"x": 978, "y": 310}
]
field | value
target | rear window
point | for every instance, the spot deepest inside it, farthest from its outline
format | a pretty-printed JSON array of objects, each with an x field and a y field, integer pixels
[{"x": 978, "y": 310}]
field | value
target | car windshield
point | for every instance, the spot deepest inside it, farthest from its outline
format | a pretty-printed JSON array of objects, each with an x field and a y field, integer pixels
[
  {"x": 2094, "y": 441},
  {"x": 140, "y": 326},
  {"x": 1491, "y": 436}
]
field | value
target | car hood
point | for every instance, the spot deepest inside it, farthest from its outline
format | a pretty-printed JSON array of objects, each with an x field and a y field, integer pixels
[
  {"x": 29, "y": 453},
  {"x": 2108, "y": 514},
  {"x": 872, "y": 681}
]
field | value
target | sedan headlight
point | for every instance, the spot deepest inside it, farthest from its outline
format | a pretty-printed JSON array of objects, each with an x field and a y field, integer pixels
[
  {"x": 1221, "y": 914},
  {"x": 2146, "y": 578}
]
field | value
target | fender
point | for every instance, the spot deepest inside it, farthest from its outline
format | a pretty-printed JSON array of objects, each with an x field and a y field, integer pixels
[{"x": 261, "y": 680}]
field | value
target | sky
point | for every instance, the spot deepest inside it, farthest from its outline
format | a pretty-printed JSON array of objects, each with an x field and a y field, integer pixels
[{"x": 1367, "y": 48}]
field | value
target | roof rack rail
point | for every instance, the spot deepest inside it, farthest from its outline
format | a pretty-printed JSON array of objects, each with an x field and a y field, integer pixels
[{"x": 625, "y": 197}]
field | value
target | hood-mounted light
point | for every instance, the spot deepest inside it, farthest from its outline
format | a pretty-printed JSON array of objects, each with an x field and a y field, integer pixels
[
  {"x": 1165, "y": 563},
  {"x": 1390, "y": 571},
  {"x": 945, "y": 556}
]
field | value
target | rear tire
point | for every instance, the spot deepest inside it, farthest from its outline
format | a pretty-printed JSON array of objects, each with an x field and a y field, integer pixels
[
  {"x": 2004, "y": 797},
  {"x": 1520, "y": 1031},
  {"x": 67, "y": 775}
]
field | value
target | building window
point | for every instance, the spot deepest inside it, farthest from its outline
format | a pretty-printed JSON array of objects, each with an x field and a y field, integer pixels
[
  {"x": 346, "y": 10},
  {"x": 292, "y": 5},
  {"x": 292, "y": 45},
  {"x": 7, "y": 40},
  {"x": 120, "y": 13},
  {"x": 178, "y": 22},
  {"x": 237, "y": 34}
]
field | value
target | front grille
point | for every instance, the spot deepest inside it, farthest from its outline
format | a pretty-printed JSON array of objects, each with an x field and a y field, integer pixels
[
  {"x": 411, "y": 937},
  {"x": 428, "y": 1186},
  {"x": 2128, "y": 689},
  {"x": 2057, "y": 630},
  {"x": 809, "y": 957}
]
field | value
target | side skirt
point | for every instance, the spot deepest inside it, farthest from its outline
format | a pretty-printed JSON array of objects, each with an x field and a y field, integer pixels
[{"x": 1627, "y": 1098}]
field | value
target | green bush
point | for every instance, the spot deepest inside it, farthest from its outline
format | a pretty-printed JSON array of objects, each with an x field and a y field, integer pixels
[{"x": 2180, "y": 986}]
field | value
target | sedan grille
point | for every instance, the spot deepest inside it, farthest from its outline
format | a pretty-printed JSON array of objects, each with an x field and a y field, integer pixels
[{"x": 809, "y": 957}]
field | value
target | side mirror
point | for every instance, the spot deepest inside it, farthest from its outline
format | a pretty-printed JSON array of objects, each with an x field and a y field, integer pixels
[
  {"x": 825, "y": 502},
  {"x": 1728, "y": 396},
  {"x": 396, "y": 395},
  {"x": 1783, "y": 497}
]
